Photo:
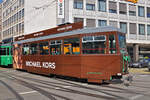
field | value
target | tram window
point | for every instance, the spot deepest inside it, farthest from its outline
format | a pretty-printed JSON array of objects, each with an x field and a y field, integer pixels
[
  {"x": 44, "y": 48},
  {"x": 112, "y": 44},
  {"x": 71, "y": 46},
  {"x": 94, "y": 44},
  {"x": 7, "y": 51},
  {"x": 33, "y": 49},
  {"x": 3, "y": 51},
  {"x": 25, "y": 50},
  {"x": 55, "y": 47}
]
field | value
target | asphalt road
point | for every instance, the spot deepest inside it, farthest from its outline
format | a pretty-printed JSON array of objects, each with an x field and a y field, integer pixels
[{"x": 18, "y": 85}]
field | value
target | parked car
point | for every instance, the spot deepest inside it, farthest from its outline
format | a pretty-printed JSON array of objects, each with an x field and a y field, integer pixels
[{"x": 140, "y": 64}]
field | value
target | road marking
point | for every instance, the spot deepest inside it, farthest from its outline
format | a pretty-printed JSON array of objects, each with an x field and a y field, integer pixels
[
  {"x": 66, "y": 86},
  {"x": 135, "y": 97},
  {"x": 28, "y": 92},
  {"x": 57, "y": 88}
]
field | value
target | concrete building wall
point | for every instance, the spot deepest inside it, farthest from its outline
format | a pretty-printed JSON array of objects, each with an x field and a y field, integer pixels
[
  {"x": 40, "y": 15},
  {"x": 0, "y": 22}
]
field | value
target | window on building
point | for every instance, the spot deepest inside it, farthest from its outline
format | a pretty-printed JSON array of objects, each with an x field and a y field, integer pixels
[
  {"x": 72, "y": 46},
  {"x": 123, "y": 8},
  {"x": 94, "y": 44},
  {"x": 55, "y": 47},
  {"x": 25, "y": 50},
  {"x": 112, "y": 44},
  {"x": 90, "y": 23},
  {"x": 141, "y": 29},
  {"x": 102, "y": 23},
  {"x": 148, "y": 12},
  {"x": 90, "y": 6},
  {"x": 78, "y": 19},
  {"x": 102, "y": 5},
  {"x": 112, "y": 7},
  {"x": 132, "y": 28},
  {"x": 148, "y": 29},
  {"x": 132, "y": 10},
  {"x": 44, "y": 48},
  {"x": 123, "y": 27},
  {"x": 33, "y": 48},
  {"x": 141, "y": 11},
  {"x": 113, "y": 23},
  {"x": 78, "y": 4},
  {"x": 22, "y": 13}
]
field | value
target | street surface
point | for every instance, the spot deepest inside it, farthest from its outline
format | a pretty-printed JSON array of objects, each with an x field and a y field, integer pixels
[{"x": 18, "y": 85}]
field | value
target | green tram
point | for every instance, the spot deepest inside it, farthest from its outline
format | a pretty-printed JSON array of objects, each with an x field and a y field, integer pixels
[{"x": 6, "y": 55}]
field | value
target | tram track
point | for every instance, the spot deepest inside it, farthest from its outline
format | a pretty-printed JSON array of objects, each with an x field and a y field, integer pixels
[
  {"x": 75, "y": 85},
  {"x": 20, "y": 81},
  {"x": 49, "y": 95},
  {"x": 17, "y": 95},
  {"x": 47, "y": 85}
]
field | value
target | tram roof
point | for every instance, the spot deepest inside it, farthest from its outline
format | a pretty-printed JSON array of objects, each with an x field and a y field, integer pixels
[{"x": 74, "y": 32}]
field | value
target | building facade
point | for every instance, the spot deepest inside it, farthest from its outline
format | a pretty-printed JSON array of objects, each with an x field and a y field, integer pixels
[
  {"x": 28, "y": 16},
  {"x": 0, "y": 22}
]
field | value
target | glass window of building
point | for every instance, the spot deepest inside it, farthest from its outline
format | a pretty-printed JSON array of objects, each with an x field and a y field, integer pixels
[
  {"x": 141, "y": 11},
  {"x": 90, "y": 6},
  {"x": 132, "y": 10},
  {"x": 112, "y": 44},
  {"x": 132, "y": 28},
  {"x": 72, "y": 46},
  {"x": 44, "y": 48},
  {"x": 113, "y": 23},
  {"x": 141, "y": 29},
  {"x": 90, "y": 23},
  {"x": 94, "y": 44},
  {"x": 148, "y": 29},
  {"x": 33, "y": 48},
  {"x": 76, "y": 19},
  {"x": 148, "y": 12},
  {"x": 102, "y": 5},
  {"x": 78, "y": 4},
  {"x": 122, "y": 8},
  {"x": 55, "y": 47},
  {"x": 112, "y": 7},
  {"x": 102, "y": 23},
  {"x": 123, "y": 27}
]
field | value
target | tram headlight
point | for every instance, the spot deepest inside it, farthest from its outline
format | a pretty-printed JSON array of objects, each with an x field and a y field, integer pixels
[{"x": 119, "y": 74}]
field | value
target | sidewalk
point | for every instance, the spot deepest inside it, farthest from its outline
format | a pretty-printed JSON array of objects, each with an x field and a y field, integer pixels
[{"x": 139, "y": 70}]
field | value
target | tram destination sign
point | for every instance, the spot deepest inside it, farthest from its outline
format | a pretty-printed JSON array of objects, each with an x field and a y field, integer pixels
[{"x": 56, "y": 30}]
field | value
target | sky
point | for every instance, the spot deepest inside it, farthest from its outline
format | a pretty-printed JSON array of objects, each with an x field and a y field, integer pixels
[{"x": 1, "y": 1}]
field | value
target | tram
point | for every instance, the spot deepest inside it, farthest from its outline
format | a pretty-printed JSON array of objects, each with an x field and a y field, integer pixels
[
  {"x": 6, "y": 55},
  {"x": 95, "y": 54}
]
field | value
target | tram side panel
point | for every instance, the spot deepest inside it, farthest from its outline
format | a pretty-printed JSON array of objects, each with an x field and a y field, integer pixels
[
  {"x": 65, "y": 65},
  {"x": 98, "y": 68}
]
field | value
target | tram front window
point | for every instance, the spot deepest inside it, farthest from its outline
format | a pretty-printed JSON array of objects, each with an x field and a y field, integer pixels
[
  {"x": 122, "y": 43},
  {"x": 94, "y": 44},
  {"x": 112, "y": 44}
]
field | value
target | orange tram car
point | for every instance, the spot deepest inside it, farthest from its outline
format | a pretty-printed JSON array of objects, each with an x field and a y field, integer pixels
[{"x": 95, "y": 54}]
